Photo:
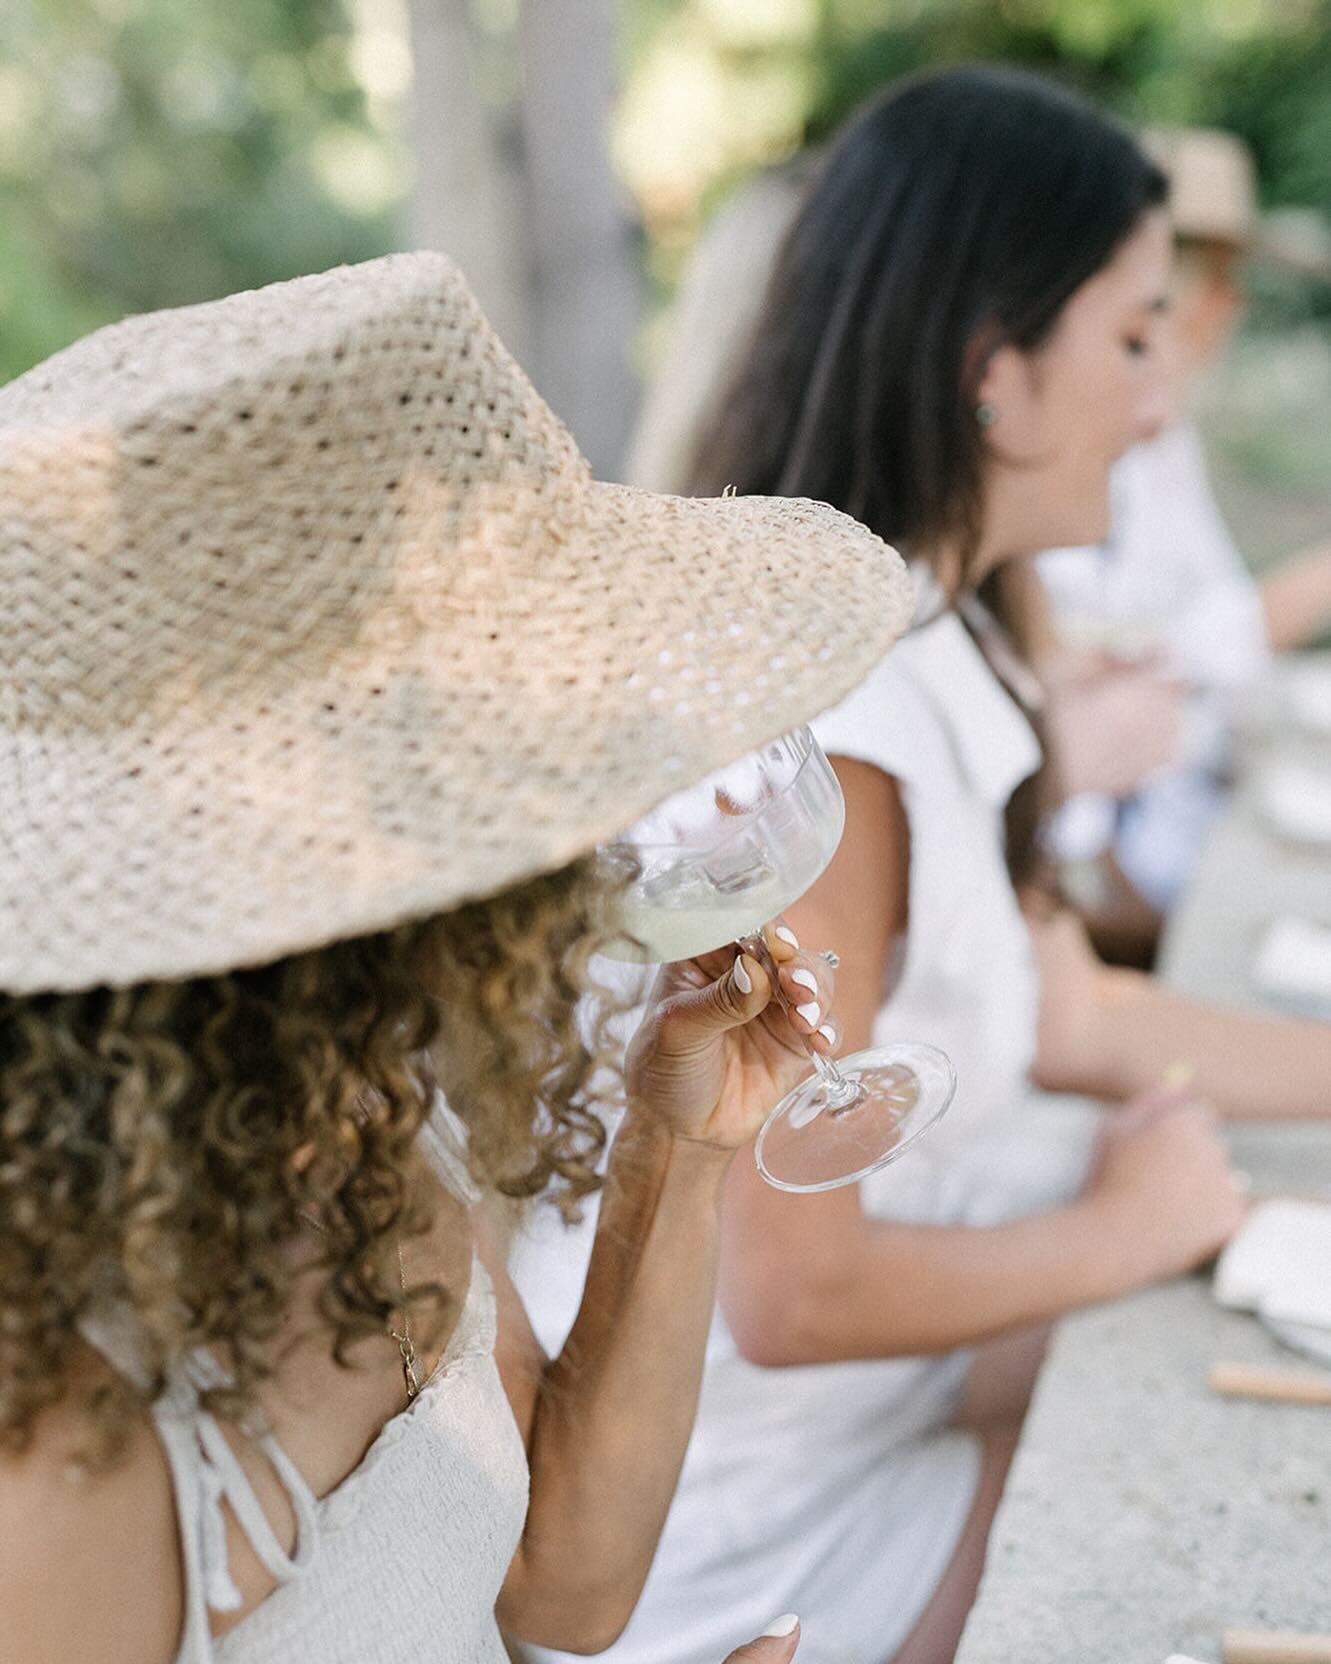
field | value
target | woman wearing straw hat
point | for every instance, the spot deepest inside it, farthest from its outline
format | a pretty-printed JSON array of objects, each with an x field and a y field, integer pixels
[
  {"x": 1168, "y": 591},
  {"x": 320, "y": 680}
]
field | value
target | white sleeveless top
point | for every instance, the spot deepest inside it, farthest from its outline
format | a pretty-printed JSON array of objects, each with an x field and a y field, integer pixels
[
  {"x": 839, "y": 1491},
  {"x": 935, "y": 717},
  {"x": 402, "y": 1561}
]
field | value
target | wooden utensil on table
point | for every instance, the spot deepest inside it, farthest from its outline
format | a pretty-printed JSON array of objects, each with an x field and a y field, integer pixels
[
  {"x": 1289, "y": 1386},
  {"x": 1257, "y": 1646}
]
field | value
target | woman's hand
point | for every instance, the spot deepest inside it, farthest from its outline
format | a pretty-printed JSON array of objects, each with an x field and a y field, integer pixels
[
  {"x": 1162, "y": 1186},
  {"x": 1108, "y": 731},
  {"x": 716, "y": 1050},
  {"x": 776, "y": 1644}
]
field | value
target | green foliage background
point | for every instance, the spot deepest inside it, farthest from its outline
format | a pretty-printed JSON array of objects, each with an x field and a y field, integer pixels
[
  {"x": 159, "y": 151},
  {"x": 1259, "y": 67},
  {"x": 154, "y": 152}
]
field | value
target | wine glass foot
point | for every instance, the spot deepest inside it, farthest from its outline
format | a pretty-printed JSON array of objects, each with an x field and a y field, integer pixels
[
  {"x": 826, "y": 1100},
  {"x": 809, "y": 1144}
]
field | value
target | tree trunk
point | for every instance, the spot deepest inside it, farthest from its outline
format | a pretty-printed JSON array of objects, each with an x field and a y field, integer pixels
[
  {"x": 585, "y": 300},
  {"x": 469, "y": 195}
]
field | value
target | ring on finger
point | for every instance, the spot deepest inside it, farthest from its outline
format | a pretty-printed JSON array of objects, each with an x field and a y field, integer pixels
[{"x": 832, "y": 957}]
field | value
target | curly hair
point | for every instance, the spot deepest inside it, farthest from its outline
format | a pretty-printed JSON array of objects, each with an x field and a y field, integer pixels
[{"x": 161, "y": 1144}]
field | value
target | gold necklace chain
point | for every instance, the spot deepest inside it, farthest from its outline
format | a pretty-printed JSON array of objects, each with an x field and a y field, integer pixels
[
  {"x": 404, "y": 1341},
  {"x": 405, "y": 1345}
]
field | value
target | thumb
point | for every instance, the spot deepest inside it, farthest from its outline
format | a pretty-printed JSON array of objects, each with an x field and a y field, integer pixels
[
  {"x": 699, "y": 1015},
  {"x": 776, "y": 1644}
]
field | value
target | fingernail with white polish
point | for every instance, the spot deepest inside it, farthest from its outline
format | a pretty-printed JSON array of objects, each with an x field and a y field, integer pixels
[
  {"x": 787, "y": 935},
  {"x": 806, "y": 979},
  {"x": 810, "y": 1013},
  {"x": 828, "y": 1033},
  {"x": 743, "y": 981},
  {"x": 786, "y": 1624}
]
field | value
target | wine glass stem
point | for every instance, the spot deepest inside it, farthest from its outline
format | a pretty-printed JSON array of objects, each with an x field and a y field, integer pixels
[{"x": 840, "y": 1091}]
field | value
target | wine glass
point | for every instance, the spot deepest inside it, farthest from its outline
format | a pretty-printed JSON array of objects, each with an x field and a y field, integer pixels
[{"x": 711, "y": 865}]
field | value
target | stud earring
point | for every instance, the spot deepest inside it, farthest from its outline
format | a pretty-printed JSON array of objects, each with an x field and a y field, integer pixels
[{"x": 985, "y": 415}]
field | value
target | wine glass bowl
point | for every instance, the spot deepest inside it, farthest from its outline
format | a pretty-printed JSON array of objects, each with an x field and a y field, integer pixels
[
  {"x": 711, "y": 865},
  {"x": 716, "y": 861}
]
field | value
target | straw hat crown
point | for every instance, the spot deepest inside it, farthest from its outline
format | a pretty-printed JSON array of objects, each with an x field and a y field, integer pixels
[
  {"x": 159, "y": 475},
  {"x": 314, "y": 620},
  {"x": 1212, "y": 181},
  {"x": 1213, "y": 198}
]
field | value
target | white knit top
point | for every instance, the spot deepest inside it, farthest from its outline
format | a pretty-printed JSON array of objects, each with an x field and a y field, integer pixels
[{"x": 403, "y": 1561}]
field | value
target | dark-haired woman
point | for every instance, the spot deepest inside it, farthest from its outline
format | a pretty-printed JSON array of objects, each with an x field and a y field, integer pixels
[{"x": 956, "y": 344}]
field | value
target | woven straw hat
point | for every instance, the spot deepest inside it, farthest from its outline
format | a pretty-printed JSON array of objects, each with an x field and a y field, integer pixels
[
  {"x": 1213, "y": 198},
  {"x": 1212, "y": 182},
  {"x": 312, "y": 620}
]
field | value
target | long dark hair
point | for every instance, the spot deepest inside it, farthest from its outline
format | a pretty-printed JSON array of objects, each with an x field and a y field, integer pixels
[
  {"x": 958, "y": 211},
  {"x": 963, "y": 206}
]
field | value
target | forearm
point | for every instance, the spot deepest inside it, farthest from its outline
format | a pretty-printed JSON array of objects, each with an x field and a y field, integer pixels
[
  {"x": 915, "y": 1290},
  {"x": 616, "y": 1407},
  {"x": 1250, "y": 1066},
  {"x": 1296, "y": 599}
]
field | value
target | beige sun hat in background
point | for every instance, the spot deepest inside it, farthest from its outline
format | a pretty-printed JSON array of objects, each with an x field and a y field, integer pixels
[
  {"x": 312, "y": 620},
  {"x": 1213, "y": 198}
]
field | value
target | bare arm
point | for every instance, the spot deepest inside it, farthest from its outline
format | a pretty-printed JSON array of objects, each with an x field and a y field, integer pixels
[
  {"x": 607, "y": 1422},
  {"x": 1296, "y": 599},
  {"x": 806, "y": 1288},
  {"x": 1248, "y": 1065},
  {"x": 808, "y": 1279},
  {"x": 1114, "y": 1033}
]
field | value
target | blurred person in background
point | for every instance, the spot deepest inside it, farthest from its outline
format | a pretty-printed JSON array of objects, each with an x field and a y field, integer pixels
[
  {"x": 305, "y": 756},
  {"x": 1157, "y": 634},
  {"x": 1145, "y": 643},
  {"x": 960, "y": 337}
]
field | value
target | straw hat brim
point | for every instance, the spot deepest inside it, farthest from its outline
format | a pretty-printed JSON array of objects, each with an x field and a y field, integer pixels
[{"x": 468, "y": 736}]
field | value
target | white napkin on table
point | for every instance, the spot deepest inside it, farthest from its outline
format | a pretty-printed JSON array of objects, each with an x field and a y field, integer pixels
[
  {"x": 1296, "y": 802},
  {"x": 1293, "y": 962},
  {"x": 1278, "y": 1263}
]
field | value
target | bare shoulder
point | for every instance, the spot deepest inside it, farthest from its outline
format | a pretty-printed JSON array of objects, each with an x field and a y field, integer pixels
[
  {"x": 90, "y": 1565},
  {"x": 861, "y": 902}
]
